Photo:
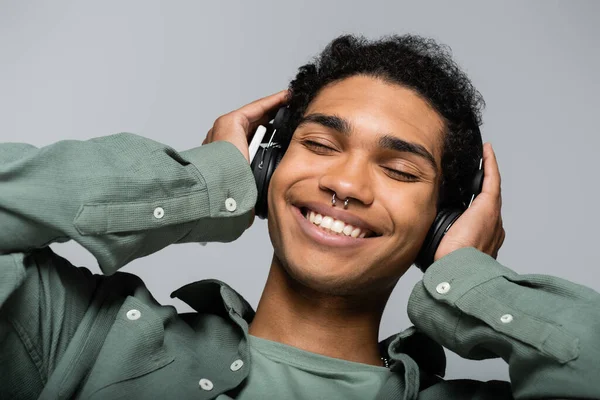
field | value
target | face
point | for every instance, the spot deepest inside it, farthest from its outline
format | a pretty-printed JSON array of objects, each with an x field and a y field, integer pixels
[{"x": 378, "y": 145}]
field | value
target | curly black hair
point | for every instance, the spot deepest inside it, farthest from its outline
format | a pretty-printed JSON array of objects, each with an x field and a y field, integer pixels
[{"x": 417, "y": 63}]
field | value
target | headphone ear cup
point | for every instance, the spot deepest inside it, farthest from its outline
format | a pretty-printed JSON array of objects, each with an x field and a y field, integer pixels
[
  {"x": 266, "y": 160},
  {"x": 262, "y": 175},
  {"x": 277, "y": 160},
  {"x": 443, "y": 221},
  {"x": 477, "y": 184},
  {"x": 259, "y": 171}
]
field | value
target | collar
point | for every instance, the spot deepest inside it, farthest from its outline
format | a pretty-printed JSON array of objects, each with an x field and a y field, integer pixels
[{"x": 215, "y": 297}]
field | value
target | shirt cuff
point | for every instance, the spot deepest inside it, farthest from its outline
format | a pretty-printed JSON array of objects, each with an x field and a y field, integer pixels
[
  {"x": 451, "y": 277},
  {"x": 431, "y": 305},
  {"x": 473, "y": 305},
  {"x": 231, "y": 190}
]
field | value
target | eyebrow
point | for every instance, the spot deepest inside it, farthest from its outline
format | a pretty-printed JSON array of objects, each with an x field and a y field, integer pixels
[
  {"x": 388, "y": 142},
  {"x": 329, "y": 121}
]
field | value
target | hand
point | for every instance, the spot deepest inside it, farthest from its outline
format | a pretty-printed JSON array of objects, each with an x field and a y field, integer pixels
[
  {"x": 480, "y": 226},
  {"x": 236, "y": 126}
]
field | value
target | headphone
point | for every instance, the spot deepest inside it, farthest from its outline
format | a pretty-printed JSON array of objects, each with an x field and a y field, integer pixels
[{"x": 270, "y": 152}]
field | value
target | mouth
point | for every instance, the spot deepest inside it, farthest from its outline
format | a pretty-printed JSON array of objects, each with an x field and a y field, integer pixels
[{"x": 334, "y": 226}]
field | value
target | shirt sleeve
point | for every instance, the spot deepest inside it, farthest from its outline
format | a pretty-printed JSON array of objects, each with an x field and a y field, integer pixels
[
  {"x": 122, "y": 196},
  {"x": 546, "y": 328}
]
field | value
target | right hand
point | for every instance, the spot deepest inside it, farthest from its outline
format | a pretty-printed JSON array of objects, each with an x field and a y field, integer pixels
[{"x": 236, "y": 126}]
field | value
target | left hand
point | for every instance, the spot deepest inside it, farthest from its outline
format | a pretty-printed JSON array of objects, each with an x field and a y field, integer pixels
[{"x": 480, "y": 226}]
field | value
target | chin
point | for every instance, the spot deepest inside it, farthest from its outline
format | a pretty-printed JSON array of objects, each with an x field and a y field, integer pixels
[
  {"x": 320, "y": 278},
  {"x": 330, "y": 275}
]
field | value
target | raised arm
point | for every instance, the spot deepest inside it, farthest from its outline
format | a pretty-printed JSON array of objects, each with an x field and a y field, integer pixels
[
  {"x": 546, "y": 328},
  {"x": 121, "y": 196}
]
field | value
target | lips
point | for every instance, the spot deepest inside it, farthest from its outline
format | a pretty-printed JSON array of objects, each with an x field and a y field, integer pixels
[
  {"x": 337, "y": 213},
  {"x": 334, "y": 225}
]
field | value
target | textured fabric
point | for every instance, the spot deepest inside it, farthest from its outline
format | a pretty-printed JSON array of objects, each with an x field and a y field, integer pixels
[
  {"x": 67, "y": 333},
  {"x": 281, "y": 372},
  {"x": 103, "y": 193}
]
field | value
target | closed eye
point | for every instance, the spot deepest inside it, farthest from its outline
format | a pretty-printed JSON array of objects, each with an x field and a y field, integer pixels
[
  {"x": 400, "y": 175},
  {"x": 317, "y": 147},
  {"x": 322, "y": 149}
]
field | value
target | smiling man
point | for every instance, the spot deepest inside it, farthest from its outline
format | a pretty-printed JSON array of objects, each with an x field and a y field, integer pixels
[
  {"x": 341, "y": 263},
  {"x": 382, "y": 136}
]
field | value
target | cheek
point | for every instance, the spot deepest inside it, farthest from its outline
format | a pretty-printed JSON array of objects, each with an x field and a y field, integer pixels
[
  {"x": 412, "y": 209},
  {"x": 292, "y": 168}
]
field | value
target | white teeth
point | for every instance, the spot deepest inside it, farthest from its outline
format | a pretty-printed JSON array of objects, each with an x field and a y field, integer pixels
[
  {"x": 335, "y": 225},
  {"x": 338, "y": 226},
  {"x": 327, "y": 222}
]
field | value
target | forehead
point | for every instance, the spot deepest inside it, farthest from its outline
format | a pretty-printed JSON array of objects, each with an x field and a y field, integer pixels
[{"x": 375, "y": 107}]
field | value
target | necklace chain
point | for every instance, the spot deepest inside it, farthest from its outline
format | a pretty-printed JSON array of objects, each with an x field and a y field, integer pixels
[{"x": 386, "y": 362}]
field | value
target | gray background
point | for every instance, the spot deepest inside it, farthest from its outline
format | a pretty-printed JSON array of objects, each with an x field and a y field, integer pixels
[{"x": 166, "y": 70}]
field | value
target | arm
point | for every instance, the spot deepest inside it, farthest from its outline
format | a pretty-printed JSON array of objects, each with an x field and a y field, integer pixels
[
  {"x": 546, "y": 328},
  {"x": 121, "y": 197},
  {"x": 101, "y": 193}
]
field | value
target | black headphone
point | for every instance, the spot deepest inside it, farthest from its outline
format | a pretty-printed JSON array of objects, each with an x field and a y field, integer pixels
[{"x": 270, "y": 153}]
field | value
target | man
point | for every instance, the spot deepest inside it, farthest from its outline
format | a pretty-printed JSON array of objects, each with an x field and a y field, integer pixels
[{"x": 382, "y": 134}]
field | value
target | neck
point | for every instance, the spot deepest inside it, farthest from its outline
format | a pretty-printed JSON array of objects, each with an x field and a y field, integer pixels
[{"x": 343, "y": 327}]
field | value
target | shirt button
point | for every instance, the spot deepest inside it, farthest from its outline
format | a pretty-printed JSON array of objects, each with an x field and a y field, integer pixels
[
  {"x": 230, "y": 204},
  {"x": 506, "y": 318},
  {"x": 236, "y": 365},
  {"x": 159, "y": 212},
  {"x": 443, "y": 288},
  {"x": 133, "y": 314},
  {"x": 206, "y": 384}
]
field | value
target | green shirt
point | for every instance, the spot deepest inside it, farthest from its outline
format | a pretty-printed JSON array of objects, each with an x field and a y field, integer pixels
[
  {"x": 66, "y": 333},
  {"x": 284, "y": 372}
]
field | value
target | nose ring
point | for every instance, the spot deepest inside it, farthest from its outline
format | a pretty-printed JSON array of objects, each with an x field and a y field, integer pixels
[{"x": 346, "y": 201}]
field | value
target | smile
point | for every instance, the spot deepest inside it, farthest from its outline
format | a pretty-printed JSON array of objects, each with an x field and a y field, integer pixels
[{"x": 336, "y": 226}]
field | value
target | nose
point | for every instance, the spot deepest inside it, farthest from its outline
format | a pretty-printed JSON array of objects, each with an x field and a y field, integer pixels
[{"x": 348, "y": 179}]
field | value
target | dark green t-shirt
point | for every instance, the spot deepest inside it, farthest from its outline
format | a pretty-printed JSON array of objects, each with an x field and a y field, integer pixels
[{"x": 280, "y": 371}]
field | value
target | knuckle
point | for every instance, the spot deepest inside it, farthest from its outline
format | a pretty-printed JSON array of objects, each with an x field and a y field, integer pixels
[
  {"x": 233, "y": 118},
  {"x": 221, "y": 121}
]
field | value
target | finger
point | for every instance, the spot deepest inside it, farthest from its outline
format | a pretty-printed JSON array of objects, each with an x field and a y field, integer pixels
[
  {"x": 260, "y": 108},
  {"x": 261, "y": 121},
  {"x": 499, "y": 243},
  {"x": 208, "y": 137},
  {"x": 491, "y": 172}
]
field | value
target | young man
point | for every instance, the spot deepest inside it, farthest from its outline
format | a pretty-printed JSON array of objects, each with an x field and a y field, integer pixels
[{"x": 382, "y": 134}]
